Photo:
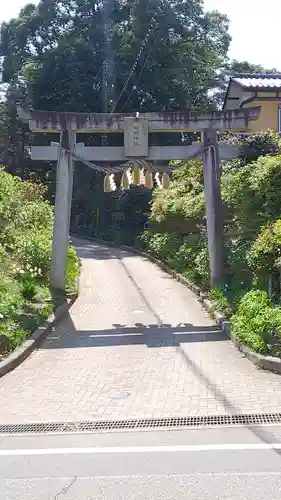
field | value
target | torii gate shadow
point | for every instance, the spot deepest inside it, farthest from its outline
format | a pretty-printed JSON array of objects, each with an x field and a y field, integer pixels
[
  {"x": 65, "y": 335},
  {"x": 154, "y": 336}
]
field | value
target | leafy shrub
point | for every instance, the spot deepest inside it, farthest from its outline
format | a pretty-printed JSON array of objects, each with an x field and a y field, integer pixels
[
  {"x": 2, "y": 254},
  {"x": 35, "y": 215},
  {"x": 265, "y": 181},
  {"x": 72, "y": 270},
  {"x": 16, "y": 336},
  {"x": 11, "y": 299},
  {"x": 252, "y": 193},
  {"x": 22, "y": 208},
  {"x": 238, "y": 274},
  {"x": 202, "y": 265},
  {"x": 12, "y": 334},
  {"x": 185, "y": 196},
  {"x": 257, "y": 323},
  {"x": 184, "y": 255},
  {"x": 26, "y": 223},
  {"x": 265, "y": 252},
  {"x": 262, "y": 143},
  {"x": 33, "y": 249},
  {"x": 220, "y": 301},
  {"x": 29, "y": 287},
  {"x": 33, "y": 191}
]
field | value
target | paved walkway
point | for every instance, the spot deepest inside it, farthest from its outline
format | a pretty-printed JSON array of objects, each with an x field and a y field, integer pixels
[{"x": 136, "y": 344}]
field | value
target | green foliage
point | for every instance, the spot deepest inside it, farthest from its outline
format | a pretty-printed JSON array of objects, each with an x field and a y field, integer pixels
[
  {"x": 29, "y": 287},
  {"x": 2, "y": 254},
  {"x": 72, "y": 270},
  {"x": 185, "y": 197},
  {"x": 202, "y": 267},
  {"x": 252, "y": 193},
  {"x": 183, "y": 202},
  {"x": 121, "y": 215},
  {"x": 186, "y": 254},
  {"x": 13, "y": 334},
  {"x": 265, "y": 252},
  {"x": 164, "y": 245},
  {"x": 33, "y": 249},
  {"x": 129, "y": 214},
  {"x": 220, "y": 301},
  {"x": 263, "y": 143},
  {"x": 257, "y": 323},
  {"x": 59, "y": 52},
  {"x": 11, "y": 298},
  {"x": 265, "y": 181},
  {"x": 26, "y": 223},
  {"x": 35, "y": 215},
  {"x": 238, "y": 275}
]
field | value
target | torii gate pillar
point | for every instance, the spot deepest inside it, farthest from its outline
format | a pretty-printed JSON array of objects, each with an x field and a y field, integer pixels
[
  {"x": 212, "y": 190},
  {"x": 64, "y": 186}
]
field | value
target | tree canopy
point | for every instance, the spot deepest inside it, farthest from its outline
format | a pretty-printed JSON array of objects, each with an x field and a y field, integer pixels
[{"x": 78, "y": 55}]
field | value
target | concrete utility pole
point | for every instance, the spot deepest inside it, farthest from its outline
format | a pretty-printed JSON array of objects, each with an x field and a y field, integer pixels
[{"x": 214, "y": 217}]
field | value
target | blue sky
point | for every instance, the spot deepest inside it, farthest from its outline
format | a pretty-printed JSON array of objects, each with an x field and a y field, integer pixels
[{"x": 254, "y": 26}]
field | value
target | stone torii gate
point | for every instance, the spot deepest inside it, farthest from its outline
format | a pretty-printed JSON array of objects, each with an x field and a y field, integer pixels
[{"x": 135, "y": 129}]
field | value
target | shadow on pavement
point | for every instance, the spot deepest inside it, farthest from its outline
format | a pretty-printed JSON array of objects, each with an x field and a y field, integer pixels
[
  {"x": 153, "y": 336},
  {"x": 92, "y": 250}
]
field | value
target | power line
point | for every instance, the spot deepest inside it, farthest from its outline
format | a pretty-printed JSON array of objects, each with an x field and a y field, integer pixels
[
  {"x": 142, "y": 47},
  {"x": 140, "y": 73}
]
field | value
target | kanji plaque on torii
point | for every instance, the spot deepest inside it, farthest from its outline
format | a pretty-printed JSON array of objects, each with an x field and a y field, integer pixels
[{"x": 135, "y": 137}]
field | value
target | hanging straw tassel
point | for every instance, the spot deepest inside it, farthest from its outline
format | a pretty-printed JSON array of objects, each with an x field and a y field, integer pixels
[
  {"x": 136, "y": 176},
  {"x": 125, "y": 181},
  {"x": 148, "y": 179},
  {"x": 165, "y": 180},
  {"x": 107, "y": 184},
  {"x": 112, "y": 182},
  {"x": 157, "y": 180},
  {"x": 142, "y": 177},
  {"x": 129, "y": 176}
]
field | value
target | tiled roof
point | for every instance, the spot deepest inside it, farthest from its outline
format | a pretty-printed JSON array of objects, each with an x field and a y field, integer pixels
[{"x": 258, "y": 80}]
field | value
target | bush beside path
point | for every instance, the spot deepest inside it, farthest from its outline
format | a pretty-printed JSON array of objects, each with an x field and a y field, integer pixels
[{"x": 26, "y": 225}]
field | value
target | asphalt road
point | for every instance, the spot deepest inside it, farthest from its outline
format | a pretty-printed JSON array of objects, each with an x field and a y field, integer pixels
[{"x": 221, "y": 464}]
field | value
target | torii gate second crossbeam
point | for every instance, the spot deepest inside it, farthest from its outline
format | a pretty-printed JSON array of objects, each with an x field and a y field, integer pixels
[{"x": 136, "y": 129}]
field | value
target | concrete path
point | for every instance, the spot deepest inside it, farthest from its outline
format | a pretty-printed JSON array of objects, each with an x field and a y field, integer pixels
[{"x": 136, "y": 344}]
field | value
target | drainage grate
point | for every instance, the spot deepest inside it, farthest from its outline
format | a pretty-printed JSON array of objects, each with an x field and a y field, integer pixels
[{"x": 139, "y": 424}]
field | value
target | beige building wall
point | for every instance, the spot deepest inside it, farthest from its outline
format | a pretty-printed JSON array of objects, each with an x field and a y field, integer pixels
[{"x": 268, "y": 117}]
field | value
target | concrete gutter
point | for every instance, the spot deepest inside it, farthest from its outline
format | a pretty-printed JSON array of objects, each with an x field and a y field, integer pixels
[
  {"x": 22, "y": 352},
  {"x": 261, "y": 361}
]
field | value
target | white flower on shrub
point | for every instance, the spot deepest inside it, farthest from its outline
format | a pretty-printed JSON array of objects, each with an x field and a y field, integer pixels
[{"x": 12, "y": 327}]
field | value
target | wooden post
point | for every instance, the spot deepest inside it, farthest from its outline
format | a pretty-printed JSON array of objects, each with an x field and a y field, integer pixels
[
  {"x": 64, "y": 183},
  {"x": 213, "y": 205}
]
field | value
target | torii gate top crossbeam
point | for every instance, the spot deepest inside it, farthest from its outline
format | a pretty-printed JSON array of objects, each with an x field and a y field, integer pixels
[{"x": 51, "y": 121}]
